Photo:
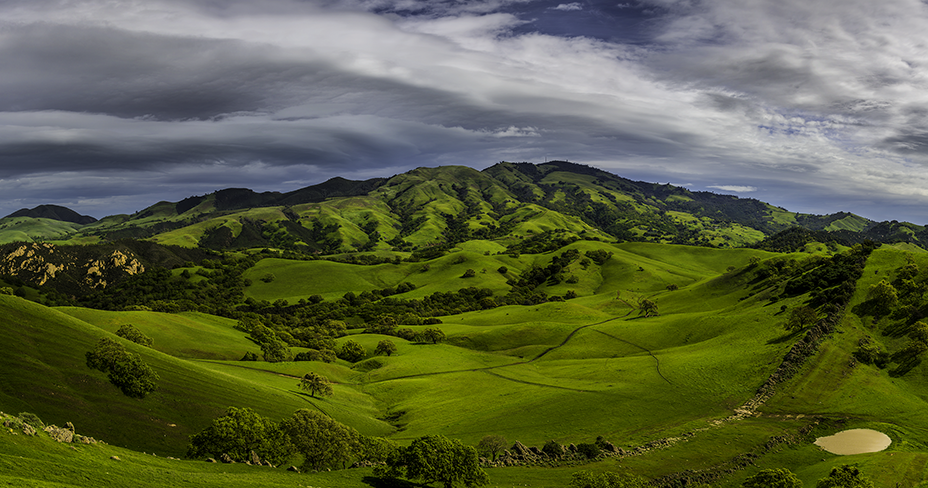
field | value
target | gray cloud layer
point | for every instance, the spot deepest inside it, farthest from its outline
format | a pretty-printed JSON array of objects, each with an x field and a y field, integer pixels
[{"x": 817, "y": 106}]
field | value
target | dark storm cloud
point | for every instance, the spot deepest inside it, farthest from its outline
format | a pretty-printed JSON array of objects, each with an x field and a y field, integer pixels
[{"x": 112, "y": 105}]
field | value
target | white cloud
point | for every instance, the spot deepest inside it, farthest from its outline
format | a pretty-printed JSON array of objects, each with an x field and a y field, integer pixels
[
  {"x": 817, "y": 102},
  {"x": 568, "y": 7},
  {"x": 733, "y": 188}
]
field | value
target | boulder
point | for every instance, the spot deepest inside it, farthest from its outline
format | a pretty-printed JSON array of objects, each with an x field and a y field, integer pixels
[
  {"x": 59, "y": 434},
  {"x": 225, "y": 458},
  {"x": 294, "y": 469},
  {"x": 519, "y": 449},
  {"x": 255, "y": 460}
]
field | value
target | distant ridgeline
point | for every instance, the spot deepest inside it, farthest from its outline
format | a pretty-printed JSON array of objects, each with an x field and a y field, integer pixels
[
  {"x": 522, "y": 207},
  {"x": 443, "y": 206}
]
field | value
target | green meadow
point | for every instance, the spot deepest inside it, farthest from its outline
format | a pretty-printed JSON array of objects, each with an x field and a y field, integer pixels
[{"x": 568, "y": 371}]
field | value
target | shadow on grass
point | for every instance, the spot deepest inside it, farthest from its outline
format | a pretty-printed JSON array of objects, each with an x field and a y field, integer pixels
[
  {"x": 390, "y": 483},
  {"x": 786, "y": 337}
]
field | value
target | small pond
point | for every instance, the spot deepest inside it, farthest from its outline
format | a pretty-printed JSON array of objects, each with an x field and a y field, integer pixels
[{"x": 854, "y": 441}]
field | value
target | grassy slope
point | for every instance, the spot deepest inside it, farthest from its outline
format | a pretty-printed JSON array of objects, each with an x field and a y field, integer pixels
[
  {"x": 25, "y": 229},
  {"x": 42, "y": 371},
  {"x": 566, "y": 371}
]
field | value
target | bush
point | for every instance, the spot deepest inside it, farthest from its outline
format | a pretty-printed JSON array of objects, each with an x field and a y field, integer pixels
[
  {"x": 469, "y": 273},
  {"x": 352, "y": 351},
  {"x": 250, "y": 356},
  {"x": 553, "y": 449},
  {"x": 322, "y": 440},
  {"x": 435, "y": 458},
  {"x": 773, "y": 478},
  {"x": 239, "y": 432},
  {"x": 125, "y": 370},
  {"x": 589, "y": 450},
  {"x": 130, "y": 332}
]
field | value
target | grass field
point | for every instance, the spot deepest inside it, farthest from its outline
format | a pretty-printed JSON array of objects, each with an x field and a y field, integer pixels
[{"x": 565, "y": 371}]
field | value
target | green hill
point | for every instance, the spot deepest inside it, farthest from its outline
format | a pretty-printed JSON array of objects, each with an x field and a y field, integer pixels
[{"x": 453, "y": 204}]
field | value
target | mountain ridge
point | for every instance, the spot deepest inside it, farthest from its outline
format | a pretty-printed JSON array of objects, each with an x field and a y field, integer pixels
[{"x": 444, "y": 204}]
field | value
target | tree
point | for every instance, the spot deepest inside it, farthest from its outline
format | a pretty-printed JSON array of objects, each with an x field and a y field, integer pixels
[
  {"x": 882, "y": 297},
  {"x": 773, "y": 478},
  {"x": 553, "y": 449},
  {"x": 436, "y": 458},
  {"x": 351, "y": 351},
  {"x": 469, "y": 273},
  {"x": 125, "y": 370},
  {"x": 130, "y": 332},
  {"x": 238, "y": 433},
  {"x": 801, "y": 317},
  {"x": 647, "y": 308},
  {"x": 491, "y": 445},
  {"x": 275, "y": 351},
  {"x": 323, "y": 441},
  {"x": 919, "y": 332},
  {"x": 586, "y": 479},
  {"x": 316, "y": 383},
  {"x": 433, "y": 335},
  {"x": 385, "y": 346},
  {"x": 844, "y": 476}
]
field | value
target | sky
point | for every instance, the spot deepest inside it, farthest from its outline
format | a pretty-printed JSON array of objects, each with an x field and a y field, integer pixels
[{"x": 817, "y": 106}]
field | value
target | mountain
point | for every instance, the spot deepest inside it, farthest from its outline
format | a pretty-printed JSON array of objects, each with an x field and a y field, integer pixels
[
  {"x": 445, "y": 205},
  {"x": 53, "y": 212}
]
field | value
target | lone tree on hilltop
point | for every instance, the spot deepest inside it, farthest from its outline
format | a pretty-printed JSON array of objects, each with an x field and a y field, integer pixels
[{"x": 316, "y": 383}]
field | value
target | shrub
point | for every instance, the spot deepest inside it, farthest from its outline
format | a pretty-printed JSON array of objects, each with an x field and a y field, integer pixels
[
  {"x": 773, "y": 478},
  {"x": 322, "y": 440},
  {"x": 553, "y": 449},
  {"x": 435, "y": 458},
  {"x": 589, "y": 450},
  {"x": 125, "y": 370},
  {"x": 352, "y": 351},
  {"x": 130, "y": 332},
  {"x": 239, "y": 432}
]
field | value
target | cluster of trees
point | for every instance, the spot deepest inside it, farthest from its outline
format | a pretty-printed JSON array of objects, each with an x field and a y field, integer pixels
[
  {"x": 435, "y": 459},
  {"x": 124, "y": 369},
  {"x": 843, "y": 476},
  {"x": 900, "y": 305},
  {"x": 324, "y": 443}
]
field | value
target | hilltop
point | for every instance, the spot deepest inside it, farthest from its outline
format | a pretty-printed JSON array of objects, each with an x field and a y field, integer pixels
[{"x": 445, "y": 205}]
